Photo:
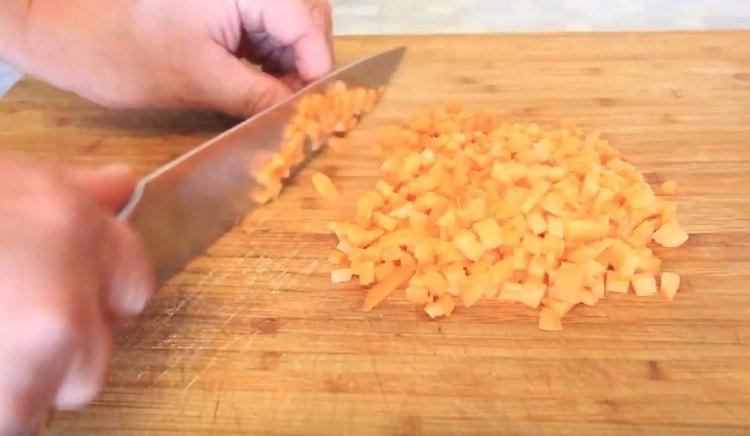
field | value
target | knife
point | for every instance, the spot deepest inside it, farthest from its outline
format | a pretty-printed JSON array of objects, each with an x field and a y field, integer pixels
[{"x": 181, "y": 208}]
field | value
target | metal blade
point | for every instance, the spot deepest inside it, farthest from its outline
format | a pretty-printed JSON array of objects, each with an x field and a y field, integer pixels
[{"x": 184, "y": 206}]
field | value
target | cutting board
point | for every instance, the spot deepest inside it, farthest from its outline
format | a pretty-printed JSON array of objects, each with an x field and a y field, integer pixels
[{"x": 253, "y": 337}]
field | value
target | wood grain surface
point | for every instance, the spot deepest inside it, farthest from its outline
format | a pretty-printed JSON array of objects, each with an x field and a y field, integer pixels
[{"x": 252, "y": 337}]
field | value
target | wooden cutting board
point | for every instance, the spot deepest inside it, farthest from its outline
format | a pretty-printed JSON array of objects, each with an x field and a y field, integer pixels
[{"x": 253, "y": 337}]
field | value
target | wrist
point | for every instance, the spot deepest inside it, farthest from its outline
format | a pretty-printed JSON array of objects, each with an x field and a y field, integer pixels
[{"x": 14, "y": 16}]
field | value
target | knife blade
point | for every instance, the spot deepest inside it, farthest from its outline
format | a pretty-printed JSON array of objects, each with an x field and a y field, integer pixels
[{"x": 181, "y": 208}]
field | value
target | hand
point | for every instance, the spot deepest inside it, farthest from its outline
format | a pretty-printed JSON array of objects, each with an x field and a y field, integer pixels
[
  {"x": 68, "y": 270},
  {"x": 178, "y": 53}
]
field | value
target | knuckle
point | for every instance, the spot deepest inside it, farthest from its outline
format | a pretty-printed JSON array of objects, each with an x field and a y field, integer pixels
[{"x": 320, "y": 11}]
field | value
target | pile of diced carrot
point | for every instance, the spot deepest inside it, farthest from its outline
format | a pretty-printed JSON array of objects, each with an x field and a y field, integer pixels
[
  {"x": 470, "y": 208},
  {"x": 318, "y": 117}
]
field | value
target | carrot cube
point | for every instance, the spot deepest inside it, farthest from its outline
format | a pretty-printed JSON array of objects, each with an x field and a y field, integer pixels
[
  {"x": 549, "y": 320},
  {"x": 670, "y": 283}
]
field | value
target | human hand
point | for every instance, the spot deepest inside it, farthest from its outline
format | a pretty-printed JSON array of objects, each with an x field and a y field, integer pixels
[
  {"x": 68, "y": 270},
  {"x": 177, "y": 53}
]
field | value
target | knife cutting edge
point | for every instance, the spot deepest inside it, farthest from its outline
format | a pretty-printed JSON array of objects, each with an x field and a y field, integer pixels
[{"x": 181, "y": 208}]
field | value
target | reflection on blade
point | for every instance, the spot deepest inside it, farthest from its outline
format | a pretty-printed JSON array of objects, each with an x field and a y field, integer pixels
[{"x": 184, "y": 206}]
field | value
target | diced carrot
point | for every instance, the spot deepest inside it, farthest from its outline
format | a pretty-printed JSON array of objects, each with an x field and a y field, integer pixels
[
  {"x": 569, "y": 276},
  {"x": 467, "y": 243},
  {"x": 447, "y": 303},
  {"x": 670, "y": 234},
  {"x": 475, "y": 209},
  {"x": 615, "y": 283},
  {"x": 384, "y": 269},
  {"x": 549, "y": 320},
  {"x": 324, "y": 186},
  {"x": 365, "y": 271},
  {"x": 560, "y": 307},
  {"x": 435, "y": 282},
  {"x": 644, "y": 232},
  {"x": 385, "y": 287},
  {"x": 392, "y": 252},
  {"x": 434, "y": 309},
  {"x": 629, "y": 264},
  {"x": 424, "y": 252},
  {"x": 668, "y": 188},
  {"x": 670, "y": 283},
  {"x": 490, "y": 233},
  {"x": 474, "y": 289},
  {"x": 520, "y": 259},
  {"x": 385, "y": 222},
  {"x": 532, "y": 243},
  {"x": 644, "y": 285},
  {"x": 417, "y": 294},
  {"x": 586, "y": 230},
  {"x": 454, "y": 273},
  {"x": 553, "y": 203},
  {"x": 537, "y": 223},
  {"x": 336, "y": 257},
  {"x": 566, "y": 295},
  {"x": 529, "y": 293},
  {"x": 341, "y": 275}
]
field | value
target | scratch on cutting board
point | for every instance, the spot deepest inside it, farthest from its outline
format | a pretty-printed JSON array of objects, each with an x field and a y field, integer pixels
[
  {"x": 209, "y": 364},
  {"x": 249, "y": 341},
  {"x": 312, "y": 266},
  {"x": 374, "y": 366},
  {"x": 236, "y": 303},
  {"x": 380, "y": 386},
  {"x": 216, "y": 407}
]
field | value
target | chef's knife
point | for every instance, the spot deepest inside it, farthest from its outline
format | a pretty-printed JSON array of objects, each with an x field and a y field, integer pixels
[{"x": 185, "y": 205}]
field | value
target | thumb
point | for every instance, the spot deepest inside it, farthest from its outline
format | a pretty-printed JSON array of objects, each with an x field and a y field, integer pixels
[
  {"x": 237, "y": 88},
  {"x": 110, "y": 187}
]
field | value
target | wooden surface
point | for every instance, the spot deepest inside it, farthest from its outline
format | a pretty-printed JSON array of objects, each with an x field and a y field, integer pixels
[{"x": 252, "y": 337}]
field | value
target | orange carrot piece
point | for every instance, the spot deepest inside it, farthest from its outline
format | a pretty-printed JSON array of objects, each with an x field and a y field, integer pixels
[
  {"x": 549, "y": 320},
  {"x": 447, "y": 303},
  {"x": 384, "y": 269},
  {"x": 669, "y": 187},
  {"x": 381, "y": 290},
  {"x": 341, "y": 275},
  {"x": 670, "y": 283},
  {"x": 644, "y": 285},
  {"x": 671, "y": 234},
  {"x": 478, "y": 209},
  {"x": 324, "y": 186},
  {"x": 336, "y": 257}
]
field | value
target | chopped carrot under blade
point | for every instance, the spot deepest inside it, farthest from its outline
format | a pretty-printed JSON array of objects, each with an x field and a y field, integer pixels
[
  {"x": 318, "y": 118},
  {"x": 470, "y": 208}
]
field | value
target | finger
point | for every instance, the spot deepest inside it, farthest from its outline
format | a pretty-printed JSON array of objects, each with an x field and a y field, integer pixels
[
  {"x": 303, "y": 24},
  {"x": 110, "y": 187},
  {"x": 128, "y": 284},
  {"x": 86, "y": 374},
  {"x": 236, "y": 88},
  {"x": 33, "y": 359}
]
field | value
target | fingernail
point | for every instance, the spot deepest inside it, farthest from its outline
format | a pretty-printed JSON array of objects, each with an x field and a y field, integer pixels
[
  {"x": 117, "y": 169},
  {"x": 133, "y": 297}
]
